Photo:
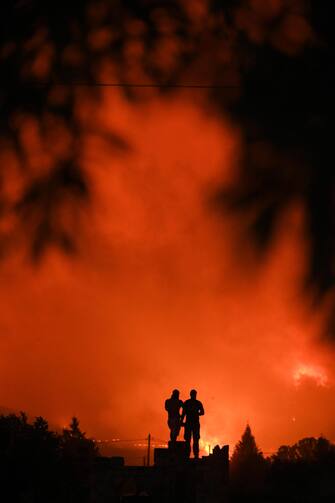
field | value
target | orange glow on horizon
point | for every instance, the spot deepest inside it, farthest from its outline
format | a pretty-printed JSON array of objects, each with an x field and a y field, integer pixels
[{"x": 161, "y": 296}]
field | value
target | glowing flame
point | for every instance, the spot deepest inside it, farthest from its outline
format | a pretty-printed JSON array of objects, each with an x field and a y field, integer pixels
[
  {"x": 311, "y": 371},
  {"x": 207, "y": 444}
]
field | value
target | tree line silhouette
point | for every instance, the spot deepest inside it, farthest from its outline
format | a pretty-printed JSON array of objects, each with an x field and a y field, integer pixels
[
  {"x": 39, "y": 465},
  {"x": 303, "y": 472}
]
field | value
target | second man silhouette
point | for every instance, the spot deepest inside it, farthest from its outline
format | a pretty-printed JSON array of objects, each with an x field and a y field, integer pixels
[{"x": 192, "y": 410}]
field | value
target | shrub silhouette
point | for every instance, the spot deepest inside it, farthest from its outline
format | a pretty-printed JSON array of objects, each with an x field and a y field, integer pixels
[{"x": 304, "y": 471}]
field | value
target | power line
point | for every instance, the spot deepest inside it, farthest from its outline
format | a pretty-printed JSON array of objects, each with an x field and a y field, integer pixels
[{"x": 159, "y": 440}]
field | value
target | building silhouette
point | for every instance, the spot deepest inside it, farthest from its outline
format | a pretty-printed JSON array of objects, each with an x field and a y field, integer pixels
[{"x": 172, "y": 478}]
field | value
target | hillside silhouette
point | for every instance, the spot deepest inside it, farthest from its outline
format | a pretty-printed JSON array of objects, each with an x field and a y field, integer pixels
[{"x": 38, "y": 465}]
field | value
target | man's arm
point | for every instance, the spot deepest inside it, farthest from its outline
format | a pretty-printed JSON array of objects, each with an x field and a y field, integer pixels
[
  {"x": 201, "y": 409},
  {"x": 167, "y": 405}
]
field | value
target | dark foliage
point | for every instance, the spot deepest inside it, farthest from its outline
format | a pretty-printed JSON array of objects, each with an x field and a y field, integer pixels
[
  {"x": 287, "y": 123},
  {"x": 270, "y": 65},
  {"x": 247, "y": 466},
  {"x": 303, "y": 472},
  {"x": 39, "y": 465}
]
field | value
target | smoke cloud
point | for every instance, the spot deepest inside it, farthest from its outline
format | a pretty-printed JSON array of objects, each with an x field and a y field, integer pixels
[{"x": 165, "y": 293}]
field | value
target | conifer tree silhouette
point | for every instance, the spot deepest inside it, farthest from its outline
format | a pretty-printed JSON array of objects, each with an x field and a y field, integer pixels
[
  {"x": 247, "y": 463},
  {"x": 246, "y": 449},
  {"x": 74, "y": 430},
  {"x": 78, "y": 456}
]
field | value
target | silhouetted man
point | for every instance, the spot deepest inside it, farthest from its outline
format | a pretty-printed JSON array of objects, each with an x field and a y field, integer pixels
[
  {"x": 173, "y": 406},
  {"x": 192, "y": 409}
]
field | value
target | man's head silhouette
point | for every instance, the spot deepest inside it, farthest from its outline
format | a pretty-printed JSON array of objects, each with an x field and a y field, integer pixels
[
  {"x": 193, "y": 393},
  {"x": 175, "y": 393}
]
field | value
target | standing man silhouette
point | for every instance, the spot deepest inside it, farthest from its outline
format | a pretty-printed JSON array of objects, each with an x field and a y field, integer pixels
[
  {"x": 192, "y": 409},
  {"x": 173, "y": 406}
]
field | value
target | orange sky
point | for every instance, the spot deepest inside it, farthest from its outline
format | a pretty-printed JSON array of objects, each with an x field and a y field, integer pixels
[{"x": 163, "y": 294}]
